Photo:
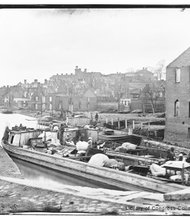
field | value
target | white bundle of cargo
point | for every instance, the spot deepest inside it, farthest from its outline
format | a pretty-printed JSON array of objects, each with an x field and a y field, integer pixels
[
  {"x": 127, "y": 146},
  {"x": 82, "y": 146},
  {"x": 98, "y": 160},
  {"x": 157, "y": 170}
]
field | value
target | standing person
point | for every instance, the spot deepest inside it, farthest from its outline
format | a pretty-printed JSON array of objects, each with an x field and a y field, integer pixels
[
  {"x": 96, "y": 117},
  {"x": 61, "y": 133}
]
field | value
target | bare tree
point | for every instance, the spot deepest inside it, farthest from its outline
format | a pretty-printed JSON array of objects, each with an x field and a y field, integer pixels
[{"x": 150, "y": 94}]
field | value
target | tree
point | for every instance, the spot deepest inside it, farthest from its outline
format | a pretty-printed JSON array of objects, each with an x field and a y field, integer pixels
[{"x": 151, "y": 93}]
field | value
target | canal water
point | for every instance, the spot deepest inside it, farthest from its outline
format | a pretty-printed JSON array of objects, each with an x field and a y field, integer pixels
[{"x": 36, "y": 173}]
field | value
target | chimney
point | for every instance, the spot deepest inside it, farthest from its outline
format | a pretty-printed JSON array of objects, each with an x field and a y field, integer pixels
[
  {"x": 85, "y": 70},
  {"x": 45, "y": 81},
  {"x": 25, "y": 81},
  {"x": 35, "y": 80}
]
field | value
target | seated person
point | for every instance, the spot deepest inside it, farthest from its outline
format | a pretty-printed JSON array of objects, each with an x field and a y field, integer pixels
[
  {"x": 171, "y": 154},
  {"x": 181, "y": 158},
  {"x": 68, "y": 140}
]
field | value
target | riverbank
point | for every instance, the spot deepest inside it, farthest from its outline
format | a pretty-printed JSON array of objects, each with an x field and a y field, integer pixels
[
  {"x": 21, "y": 196},
  {"x": 7, "y": 167}
]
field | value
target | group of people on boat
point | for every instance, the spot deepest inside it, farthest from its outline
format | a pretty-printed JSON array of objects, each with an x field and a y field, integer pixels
[
  {"x": 171, "y": 156},
  {"x": 173, "y": 167}
]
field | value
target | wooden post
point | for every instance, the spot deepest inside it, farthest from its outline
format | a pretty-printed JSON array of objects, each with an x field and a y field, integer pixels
[
  {"x": 133, "y": 124},
  {"x": 148, "y": 125},
  {"x": 118, "y": 123},
  {"x": 182, "y": 174},
  {"x": 126, "y": 123},
  {"x": 112, "y": 121},
  {"x": 141, "y": 125},
  {"x": 106, "y": 120}
]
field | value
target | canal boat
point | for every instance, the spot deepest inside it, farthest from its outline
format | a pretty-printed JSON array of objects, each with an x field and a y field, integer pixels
[
  {"x": 119, "y": 136},
  {"x": 16, "y": 144}
]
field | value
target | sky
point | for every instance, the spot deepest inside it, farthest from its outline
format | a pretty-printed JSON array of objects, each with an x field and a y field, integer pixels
[{"x": 38, "y": 43}]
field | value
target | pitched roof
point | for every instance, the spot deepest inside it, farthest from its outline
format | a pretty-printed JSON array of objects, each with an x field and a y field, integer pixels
[
  {"x": 182, "y": 60},
  {"x": 144, "y": 71}
]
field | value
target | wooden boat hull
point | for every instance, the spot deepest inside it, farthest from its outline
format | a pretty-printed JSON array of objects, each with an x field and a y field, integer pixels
[
  {"x": 120, "y": 137},
  {"x": 7, "y": 112},
  {"x": 111, "y": 177}
]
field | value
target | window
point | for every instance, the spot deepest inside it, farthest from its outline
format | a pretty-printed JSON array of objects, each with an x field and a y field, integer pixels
[
  {"x": 50, "y": 99},
  {"x": 12, "y": 138},
  {"x": 176, "y": 108},
  {"x": 36, "y": 98},
  {"x": 188, "y": 134},
  {"x": 189, "y": 109},
  {"x": 177, "y": 75}
]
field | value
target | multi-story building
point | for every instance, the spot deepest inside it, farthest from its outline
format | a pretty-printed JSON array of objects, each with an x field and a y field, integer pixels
[{"x": 178, "y": 100}]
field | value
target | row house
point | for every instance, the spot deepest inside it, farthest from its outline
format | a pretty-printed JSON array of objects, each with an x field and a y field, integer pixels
[
  {"x": 85, "y": 102},
  {"x": 13, "y": 97}
]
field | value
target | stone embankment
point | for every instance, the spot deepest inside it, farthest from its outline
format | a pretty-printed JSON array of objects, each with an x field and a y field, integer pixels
[{"x": 18, "y": 195}]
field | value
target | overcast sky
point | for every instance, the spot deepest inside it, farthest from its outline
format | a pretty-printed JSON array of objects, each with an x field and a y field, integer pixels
[{"x": 40, "y": 43}]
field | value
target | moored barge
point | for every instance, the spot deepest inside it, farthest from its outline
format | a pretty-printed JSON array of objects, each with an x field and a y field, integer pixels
[{"x": 15, "y": 147}]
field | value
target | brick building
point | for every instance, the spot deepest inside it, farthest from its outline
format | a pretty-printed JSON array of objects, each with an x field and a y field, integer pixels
[{"x": 178, "y": 100}]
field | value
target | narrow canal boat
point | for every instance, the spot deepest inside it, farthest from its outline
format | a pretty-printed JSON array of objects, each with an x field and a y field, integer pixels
[
  {"x": 16, "y": 146},
  {"x": 119, "y": 136}
]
